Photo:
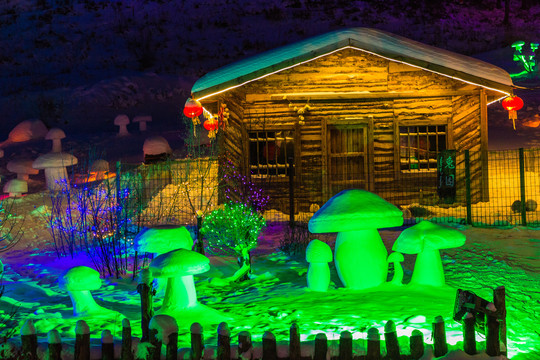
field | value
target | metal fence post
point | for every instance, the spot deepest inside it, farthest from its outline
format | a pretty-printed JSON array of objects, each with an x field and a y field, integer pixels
[
  {"x": 522, "y": 186},
  {"x": 468, "y": 186}
]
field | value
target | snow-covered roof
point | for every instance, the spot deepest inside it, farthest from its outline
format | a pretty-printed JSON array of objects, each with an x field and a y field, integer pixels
[{"x": 374, "y": 41}]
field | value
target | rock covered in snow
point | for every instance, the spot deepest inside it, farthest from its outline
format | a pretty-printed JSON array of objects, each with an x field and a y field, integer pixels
[
  {"x": 165, "y": 326},
  {"x": 156, "y": 145}
]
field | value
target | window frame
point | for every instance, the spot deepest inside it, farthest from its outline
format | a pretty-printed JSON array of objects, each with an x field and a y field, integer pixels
[
  {"x": 280, "y": 168},
  {"x": 441, "y": 128}
]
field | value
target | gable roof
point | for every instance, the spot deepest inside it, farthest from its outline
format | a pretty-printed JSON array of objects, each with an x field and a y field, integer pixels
[{"x": 374, "y": 41}]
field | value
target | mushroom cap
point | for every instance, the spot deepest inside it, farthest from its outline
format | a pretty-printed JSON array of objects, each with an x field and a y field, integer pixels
[
  {"x": 121, "y": 120},
  {"x": 21, "y": 166},
  {"x": 318, "y": 252},
  {"x": 179, "y": 262},
  {"x": 395, "y": 257},
  {"x": 52, "y": 160},
  {"x": 427, "y": 235},
  {"x": 80, "y": 278},
  {"x": 162, "y": 239},
  {"x": 55, "y": 134},
  {"x": 99, "y": 165},
  {"x": 518, "y": 43},
  {"x": 355, "y": 209},
  {"x": 28, "y": 130},
  {"x": 16, "y": 186},
  {"x": 156, "y": 145},
  {"x": 144, "y": 118}
]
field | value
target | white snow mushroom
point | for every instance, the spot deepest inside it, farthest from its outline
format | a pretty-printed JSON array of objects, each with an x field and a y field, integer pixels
[
  {"x": 78, "y": 282},
  {"x": 122, "y": 122},
  {"x": 318, "y": 255},
  {"x": 55, "y": 165},
  {"x": 15, "y": 187},
  {"x": 165, "y": 326},
  {"x": 156, "y": 145},
  {"x": 178, "y": 267},
  {"x": 22, "y": 167},
  {"x": 142, "y": 120},
  {"x": 56, "y": 135}
]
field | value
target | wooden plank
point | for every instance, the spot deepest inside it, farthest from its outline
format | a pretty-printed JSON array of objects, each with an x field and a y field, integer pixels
[
  {"x": 355, "y": 95},
  {"x": 484, "y": 145}
]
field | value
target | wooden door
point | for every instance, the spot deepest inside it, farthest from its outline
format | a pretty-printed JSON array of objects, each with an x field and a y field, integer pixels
[{"x": 347, "y": 157}]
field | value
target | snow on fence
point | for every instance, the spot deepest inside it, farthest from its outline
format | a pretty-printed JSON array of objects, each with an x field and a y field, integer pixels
[{"x": 163, "y": 340}]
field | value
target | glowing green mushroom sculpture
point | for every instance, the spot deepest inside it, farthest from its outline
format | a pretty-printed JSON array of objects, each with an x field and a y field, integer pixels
[
  {"x": 360, "y": 255},
  {"x": 425, "y": 239}
]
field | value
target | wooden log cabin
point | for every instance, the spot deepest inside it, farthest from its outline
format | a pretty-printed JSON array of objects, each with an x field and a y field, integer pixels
[{"x": 358, "y": 108}]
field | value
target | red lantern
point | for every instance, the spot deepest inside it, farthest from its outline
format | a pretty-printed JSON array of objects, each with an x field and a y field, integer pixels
[
  {"x": 193, "y": 108},
  {"x": 512, "y": 104},
  {"x": 211, "y": 125}
]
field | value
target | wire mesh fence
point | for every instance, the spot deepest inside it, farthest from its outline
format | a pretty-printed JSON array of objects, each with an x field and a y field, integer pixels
[{"x": 495, "y": 188}]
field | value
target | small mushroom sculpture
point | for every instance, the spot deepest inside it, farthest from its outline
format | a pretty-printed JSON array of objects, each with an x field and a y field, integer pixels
[
  {"x": 318, "y": 255},
  {"x": 425, "y": 239},
  {"x": 122, "y": 122},
  {"x": 78, "y": 282},
  {"x": 22, "y": 167},
  {"x": 56, "y": 135},
  {"x": 161, "y": 239},
  {"x": 178, "y": 267},
  {"x": 99, "y": 168},
  {"x": 156, "y": 145},
  {"x": 359, "y": 254},
  {"x": 55, "y": 165},
  {"x": 396, "y": 258},
  {"x": 15, "y": 187},
  {"x": 142, "y": 120}
]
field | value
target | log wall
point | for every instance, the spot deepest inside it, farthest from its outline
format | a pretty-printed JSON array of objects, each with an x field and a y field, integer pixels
[{"x": 352, "y": 86}]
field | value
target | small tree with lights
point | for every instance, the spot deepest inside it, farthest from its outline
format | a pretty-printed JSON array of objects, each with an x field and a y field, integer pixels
[{"x": 233, "y": 230}]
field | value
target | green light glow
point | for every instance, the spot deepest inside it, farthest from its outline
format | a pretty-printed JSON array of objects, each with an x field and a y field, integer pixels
[{"x": 360, "y": 258}]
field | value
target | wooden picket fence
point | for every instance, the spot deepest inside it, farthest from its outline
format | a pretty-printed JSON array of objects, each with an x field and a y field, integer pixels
[{"x": 495, "y": 331}]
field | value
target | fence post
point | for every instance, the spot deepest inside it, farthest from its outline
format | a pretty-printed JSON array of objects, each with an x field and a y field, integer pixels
[
  {"x": 440, "y": 347},
  {"x": 126, "y": 353},
  {"x": 82, "y": 341},
  {"x": 55, "y": 345},
  {"x": 294, "y": 342},
  {"x": 492, "y": 336},
  {"x": 107, "y": 345},
  {"x": 245, "y": 347},
  {"x": 199, "y": 247},
  {"x": 269, "y": 346},
  {"x": 468, "y": 186},
  {"x": 224, "y": 342},
  {"x": 345, "y": 346},
  {"x": 29, "y": 340},
  {"x": 144, "y": 288},
  {"x": 373, "y": 344},
  {"x": 321, "y": 347},
  {"x": 417, "y": 344},
  {"x": 197, "y": 343},
  {"x": 469, "y": 334},
  {"x": 522, "y": 186},
  {"x": 291, "y": 192},
  {"x": 499, "y": 300},
  {"x": 390, "y": 337}
]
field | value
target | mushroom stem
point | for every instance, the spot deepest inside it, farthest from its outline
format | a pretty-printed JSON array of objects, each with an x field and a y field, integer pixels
[
  {"x": 83, "y": 303},
  {"x": 318, "y": 276},
  {"x": 428, "y": 269},
  {"x": 56, "y": 145},
  {"x": 360, "y": 258},
  {"x": 123, "y": 131},
  {"x": 398, "y": 273},
  {"x": 180, "y": 293},
  {"x": 55, "y": 176}
]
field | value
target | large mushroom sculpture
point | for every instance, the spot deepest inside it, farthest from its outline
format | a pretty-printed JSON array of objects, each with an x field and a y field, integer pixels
[
  {"x": 425, "y": 239},
  {"x": 360, "y": 255},
  {"x": 54, "y": 165}
]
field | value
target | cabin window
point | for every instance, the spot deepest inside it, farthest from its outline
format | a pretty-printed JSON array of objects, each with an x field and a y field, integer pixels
[
  {"x": 270, "y": 151},
  {"x": 419, "y": 147}
]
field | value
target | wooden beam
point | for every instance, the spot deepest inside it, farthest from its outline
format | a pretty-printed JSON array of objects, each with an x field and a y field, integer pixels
[
  {"x": 316, "y": 96},
  {"x": 484, "y": 145}
]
